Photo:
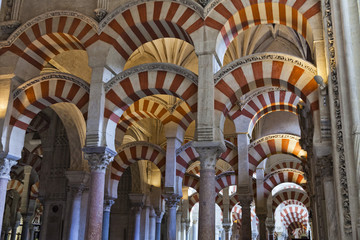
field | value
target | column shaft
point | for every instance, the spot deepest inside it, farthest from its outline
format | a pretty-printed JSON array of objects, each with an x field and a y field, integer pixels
[
  {"x": 75, "y": 215},
  {"x": 106, "y": 218},
  {"x": 137, "y": 221},
  {"x": 171, "y": 223},
  {"x": 207, "y": 204},
  {"x": 159, "y": 216},
  {"x": 152, "y": 225},
  {"x": 5, "y": 167},
  {"x": 262, "y": 220},
  {"x": 245, "y": 202},
  {"x": 96, "y": 201}
]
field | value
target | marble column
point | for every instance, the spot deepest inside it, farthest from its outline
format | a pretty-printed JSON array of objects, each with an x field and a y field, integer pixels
[
  {"x": 24, "y": 203},
  {"x": 99, "y": 158},
  {"x": 195, "y": 230},
  {"x": 245, "y": 202},
  {"x": 270, "y": 226},
  {"x": 187, "y": 230},
  {"x": 137, "y": 202},
  {"x": 178, "y": 224},
  {"x": 262, "y": 226},
  {"x": 209, "y": 152},
  {"x": 108, "y": 202},
  {"x": 227, "y": 227},
  {"x": 5, "y": 167},
  {"x": 25, "y": 227},
  {"x": 159, "y": 216},
  {"x": 77, "y": 184},
  {"x": 13, "y": 230},
  {"x": 152, "y": 224},
  {"x": 171, "y": 202}
]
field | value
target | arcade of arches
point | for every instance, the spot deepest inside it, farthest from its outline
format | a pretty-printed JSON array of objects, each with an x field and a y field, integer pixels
[{"x": 179, "y": 119}]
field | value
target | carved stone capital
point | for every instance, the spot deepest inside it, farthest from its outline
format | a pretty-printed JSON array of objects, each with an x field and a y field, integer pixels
[
  {"x": 245, "y": 200},
  {"x": 98, "y": 157},
  {"x": 209, "y": 153},
  {"x": 172, "y": 200},
  {"x": 108, "y": 202},
  {"x": 137, "y": 201},
  {"x": 5, "y": 167}
]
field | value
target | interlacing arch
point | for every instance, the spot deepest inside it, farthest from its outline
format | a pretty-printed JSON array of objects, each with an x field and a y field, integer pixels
[
  {"x": 133, "y": 152},
  {"x": 274, "y": 144},
  {"x": 282, "y": 176},
  {"x": 287, "y": 164},
  {"x": 126, "y": 29},
  {"x": 229, "y": 18},
  {"x": 146, "y": 80},
  {"x": 264, "y": 102},
  {"x": 35, "y": 95},
  {"x": 263, "y": 70},
  {"x": 193, "y": 199},
  {"x": 290, "y": 194},
  {"x": 40, "y": 39},
  {"x": 16, "y": 185}
]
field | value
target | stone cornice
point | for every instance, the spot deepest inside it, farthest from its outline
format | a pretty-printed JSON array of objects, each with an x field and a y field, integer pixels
[
  {"x": 168, "y": 67},
  {"x": 261, "y": 57},
  {"x": 49, "y": 76}
]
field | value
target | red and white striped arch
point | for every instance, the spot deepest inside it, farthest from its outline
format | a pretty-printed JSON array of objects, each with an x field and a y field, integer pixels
[
  {"x": 146, "y": 80},
  {"x": 34, "y": 190},
  {"x": 186, "y": 155},
  {"x": 297, "y": 225},
  {"x": 135, "y": 151},
  {"x": 290, "y": 214},
  {"x": 219, "y": 201},
  {"x": 273, "y": 144},
  {"x": 182, "y": 115},
  {"x": 287, "y": 164},
  {"x": 264, "y": 70},
  {"x": 16, "y": 185},
  {"x": 193, "y": 199},
  {"x": 262, "y": 104},
  {"x": 277, "y": 178},
  {"x": 129, "y": 28},
  {"x": 195, "y": 170},
  {"x": 33, "y": 96},
  {"x": 230, "y": 155},
  {"x": 40, "y": 39},
  {"x": 191, "y": 181},
  {"x": 290, "y": 194},
  {"x": 225, "y": 180},
  {"x": 229, "y": 18}
]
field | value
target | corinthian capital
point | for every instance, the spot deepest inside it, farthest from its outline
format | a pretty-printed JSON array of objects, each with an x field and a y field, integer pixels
[
  {"x": 5, "y": 167},
  {"x": 209, "y": 153},
  {"x": 172, "y": 200},
  {"x": 98, "y": 157}
]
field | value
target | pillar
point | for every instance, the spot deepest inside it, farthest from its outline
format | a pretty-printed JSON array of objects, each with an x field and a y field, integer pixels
[
  {"x": 209, "y": 152},
  {"x": 145, "y": 222},
  {"x": 187, "y": 230},
  {"x": 5, "y": 167},
  {"x": 152, "y": 224},
  {"x": 77, "y": 182},
  {"x": 270, "y": 225},
  {"x": 24, "y": 203},
  {"x": 99, "y": 158},
  {"x": 195, "y": 230},
  {"x": 245, "y": 202},
  {"x": 13, "y": 230},
  {"x": 179, "y": 227},
  {"x": 171, "y": 202},
  {"x": 106, "y": 218},
  {"x": 159, "y": 216},
  {"x": 262, "y": 225},
  {"x": 137, "y": 202},
  {"x": 227, "y": 227}
]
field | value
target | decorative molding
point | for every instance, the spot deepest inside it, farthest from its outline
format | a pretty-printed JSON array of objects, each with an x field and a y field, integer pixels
[
  {"x": 168, "y": 67},
  {"x": 49, "y": 76},
  {"x": 338, "y": 119},
  {"x": 261, "y": 57},
  {"x": 274, "y": 136},
  {"x": 183, "y": 147},
  {"x": 112, "y": 15},
  {"x": 100, "y": 14},
  {"x": 58, "y": 13},
  {"x": 7, "y": 28}
]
